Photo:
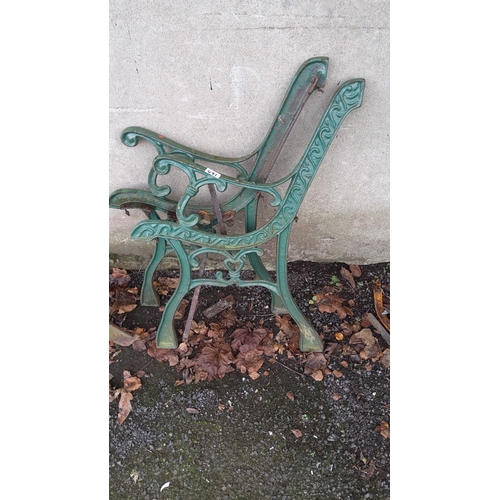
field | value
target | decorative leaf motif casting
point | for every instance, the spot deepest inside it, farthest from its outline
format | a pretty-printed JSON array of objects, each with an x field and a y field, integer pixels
[{"x": 347, "y": 98}]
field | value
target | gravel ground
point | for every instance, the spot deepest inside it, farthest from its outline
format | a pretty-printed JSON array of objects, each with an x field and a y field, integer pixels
[{"x": 231, "y": 438}]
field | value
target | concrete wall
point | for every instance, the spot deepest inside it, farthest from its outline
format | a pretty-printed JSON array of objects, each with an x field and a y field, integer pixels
[{"x": 212, "y": 75}]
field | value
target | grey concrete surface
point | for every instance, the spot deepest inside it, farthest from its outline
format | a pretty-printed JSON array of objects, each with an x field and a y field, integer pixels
[{"x": 212, "y": 75}]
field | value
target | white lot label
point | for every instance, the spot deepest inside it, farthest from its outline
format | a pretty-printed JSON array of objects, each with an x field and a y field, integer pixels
[{"x": 213, "y": 173}]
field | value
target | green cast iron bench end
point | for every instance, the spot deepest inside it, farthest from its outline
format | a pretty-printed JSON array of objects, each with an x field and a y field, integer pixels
[{"x": 181, "y": 230}]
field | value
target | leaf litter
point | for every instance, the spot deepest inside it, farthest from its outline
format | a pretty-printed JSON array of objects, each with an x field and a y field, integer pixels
[{"x": 228, "y": 344}]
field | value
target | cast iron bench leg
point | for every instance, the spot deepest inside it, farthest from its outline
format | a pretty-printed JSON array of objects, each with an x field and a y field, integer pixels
[
  {"x": 166, "y": 338},
  {"x": 149, "y": 296},
  {"x": 277, "y": 304},
  {"x": 309, "y": 338}
]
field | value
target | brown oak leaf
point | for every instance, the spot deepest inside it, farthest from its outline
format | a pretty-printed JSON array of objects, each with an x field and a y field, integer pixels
[
  {"x": 348, "y": 329},
  {"x": 284, "y": 323}
]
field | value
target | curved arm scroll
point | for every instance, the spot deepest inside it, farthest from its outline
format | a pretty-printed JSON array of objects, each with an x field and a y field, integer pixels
[{"x": 131, "y": 135}]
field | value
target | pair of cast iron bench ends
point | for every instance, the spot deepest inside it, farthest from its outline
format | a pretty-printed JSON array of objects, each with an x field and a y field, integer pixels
[{"x": 182, "y": 231}]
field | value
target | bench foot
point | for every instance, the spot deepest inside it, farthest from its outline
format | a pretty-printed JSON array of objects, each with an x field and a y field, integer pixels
[{"x": 309, "y": 340}]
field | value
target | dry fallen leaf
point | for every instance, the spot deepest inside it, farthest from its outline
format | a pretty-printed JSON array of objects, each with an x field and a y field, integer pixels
[
  {"x": 163, "y": 284},
  {"x": 371, "y": 345},
  {"x": 297, "y": 433},
  {"x": 247, "y": 338},
  {"x": 139, "y": 345},
  {"x": 347, "y": 275},
  {"x": 227, "y": 318},
  {"x": 329, "y": 302},
  {"x": 290, "y": 396},
  {"x": 179, "y": 313},
  {"x": 355, "y": 270},
  {"x": 125, "y": 301},
  {"x": 163, "y": 355},
  {"x": 314, "y": 361},
  {"x": 250, "y": 362},
  {"x": 348, "y": 329},
  {"x": 216, "y": 360},
  {"x": 383, "y": 428},
  {"x": 130, "y": 383},
  {"x": 370, "y": 469},
  {"x": 216, "y": 332},
  {"x": 336, "y": 396},
  {"x": 385, "y": 360},
  {"x": 124, "y": 406},
  {"x": 284, "y": 323},
  {"x": 119, "y": 277},
  {"x": 337, "y": 373}
]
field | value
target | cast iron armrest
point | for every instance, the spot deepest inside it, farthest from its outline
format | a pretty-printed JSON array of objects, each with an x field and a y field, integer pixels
[
  {"x": 157, "y": 197},
  {"x": 131, "y": 135},
  {"x": 198, "y": 176}
]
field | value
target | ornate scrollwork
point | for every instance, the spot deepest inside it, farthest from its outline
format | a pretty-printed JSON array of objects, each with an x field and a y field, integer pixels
[
  {"x": 131, "y": 135},
  {"x": 347, "y": 98},
  {"x": 233, "y": 263}
]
